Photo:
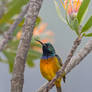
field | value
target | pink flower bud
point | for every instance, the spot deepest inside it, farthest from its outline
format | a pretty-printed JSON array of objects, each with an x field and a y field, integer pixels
[{"x": 72, "y": 6}]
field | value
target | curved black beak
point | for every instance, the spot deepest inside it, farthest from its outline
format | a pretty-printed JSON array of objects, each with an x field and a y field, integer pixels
[{"x": 40, "y": 42}]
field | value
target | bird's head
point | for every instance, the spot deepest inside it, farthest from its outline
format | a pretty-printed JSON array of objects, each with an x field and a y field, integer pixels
[{"x": 48, "y": 49}]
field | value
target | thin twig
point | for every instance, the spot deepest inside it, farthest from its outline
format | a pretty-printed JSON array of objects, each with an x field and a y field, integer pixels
[
  {"x": 75, "y": 60},
  {"x": 9, "y": 33},
  {"x": 79, "y": 57},
  {"x": 41, "y": 89}
]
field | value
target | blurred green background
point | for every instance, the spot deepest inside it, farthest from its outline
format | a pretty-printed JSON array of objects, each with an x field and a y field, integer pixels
[{"x": 79, "y": 80}]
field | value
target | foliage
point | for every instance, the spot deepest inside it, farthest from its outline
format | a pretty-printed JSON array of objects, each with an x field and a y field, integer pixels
[
  {"x": 75, "y": 14},
  {"x": 88, "y": 25},
  {"x": 35, "y": 48},
  {"x": 13, "y": 9},
  {"x": 10, "y": 53},
  {"x": 82, "y": 10},
  {"x": 59, "y": 12}
]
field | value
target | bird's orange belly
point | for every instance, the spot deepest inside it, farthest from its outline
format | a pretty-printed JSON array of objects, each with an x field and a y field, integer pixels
[{"x": 49, "y": 68}]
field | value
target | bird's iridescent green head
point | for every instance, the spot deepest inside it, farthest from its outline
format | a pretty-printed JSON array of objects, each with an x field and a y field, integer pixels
[{"x": 48, "y": 49}]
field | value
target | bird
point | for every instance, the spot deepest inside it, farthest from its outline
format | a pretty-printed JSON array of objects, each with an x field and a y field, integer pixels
[{"x": 50, "y": 63}]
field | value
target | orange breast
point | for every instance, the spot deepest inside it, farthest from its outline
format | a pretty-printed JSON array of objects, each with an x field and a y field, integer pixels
[{"x": 49, "y": 67}]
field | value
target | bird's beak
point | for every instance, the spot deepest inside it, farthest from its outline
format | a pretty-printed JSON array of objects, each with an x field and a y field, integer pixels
[{"x": 40, "y": 42}]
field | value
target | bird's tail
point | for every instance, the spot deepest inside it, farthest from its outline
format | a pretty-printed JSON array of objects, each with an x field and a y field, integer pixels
[
  {"x": 59, "y": 89},
  {"x": 58, "y": 86}
]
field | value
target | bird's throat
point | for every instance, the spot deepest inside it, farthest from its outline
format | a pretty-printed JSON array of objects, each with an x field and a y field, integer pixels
[{"x": 47, "y": 56}]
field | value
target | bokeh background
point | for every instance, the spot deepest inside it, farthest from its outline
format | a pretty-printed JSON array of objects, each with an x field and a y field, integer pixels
[{"x": 80, "y": 78}]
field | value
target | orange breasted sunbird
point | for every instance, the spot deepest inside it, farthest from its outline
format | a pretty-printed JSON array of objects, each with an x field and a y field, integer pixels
[{"x": 50, "y": 63}]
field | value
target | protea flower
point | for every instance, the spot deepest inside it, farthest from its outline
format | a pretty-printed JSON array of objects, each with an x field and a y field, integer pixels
[{"x": 72, "y": 6}]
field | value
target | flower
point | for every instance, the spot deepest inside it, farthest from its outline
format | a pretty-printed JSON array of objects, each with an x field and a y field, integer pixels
[
  {"x": 41, "y": 33},
  {"x": 72, "y": 6},
  {"x": 19, "y": 35}
]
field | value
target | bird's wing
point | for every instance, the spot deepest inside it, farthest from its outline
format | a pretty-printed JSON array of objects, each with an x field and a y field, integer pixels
[
  {"x": 61, "y": 64},
  {"x": 59, "y": 60}
]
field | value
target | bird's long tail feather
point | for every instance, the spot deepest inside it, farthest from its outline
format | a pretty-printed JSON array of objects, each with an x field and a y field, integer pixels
[{"x": 59, "y": 89}]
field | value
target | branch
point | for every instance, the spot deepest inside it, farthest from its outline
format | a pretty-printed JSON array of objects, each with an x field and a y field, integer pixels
[
  {"x": 19, "y": 65},
  {"x": 9, "y": 33},
  {"x": 79, "y": 57},
  {"x": 74, "y": 61},
  {"x": 41, "y": 89}
]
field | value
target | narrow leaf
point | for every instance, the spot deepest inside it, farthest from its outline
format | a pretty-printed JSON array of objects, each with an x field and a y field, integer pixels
[
  {"x": 30, "y": 63},
  {"x": 87, "y": 26},
  {"x": 59, "y": 12},
  {"x": 75, "y": 25},
  {"x": 82, "y": 10},
  {"x": 38, "y": 21},
  {"x": 88, "y": 35}
]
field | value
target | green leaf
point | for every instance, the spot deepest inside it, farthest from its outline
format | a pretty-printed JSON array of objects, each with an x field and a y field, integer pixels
[
  {"x": 3, "y": 28},
  {"x": 13, "y": 45},
  {"x": 75, "y": 25},
  {"x": 30, "y": 62},
  {"x": 11, "y": 66},
  {"x": 59, "y": 12},
  {"x": 82, "y": 10},
  {"x": 87, "y": 26},
  {"x": 32, "y": 56},
  {"x": 38, "y": 20},
  {"x": 3, "y": 61},
  {"x": 14, "y": 8},
  {"x": 10, "y": 58},
  {"x": 16, "y": 30},
  {"x": 68, "y": 21},
  {"x": 88, "y": 35}
]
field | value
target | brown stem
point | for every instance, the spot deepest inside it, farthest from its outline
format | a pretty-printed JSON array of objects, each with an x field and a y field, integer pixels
[
  {"x": 61, "y": 71},
  {"x": 79, "y": 57},
  {"x": 19, "y": 65}
]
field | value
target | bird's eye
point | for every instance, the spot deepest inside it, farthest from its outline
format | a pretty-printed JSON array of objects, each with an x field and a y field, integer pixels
[{"x": 46, "y": 45}]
